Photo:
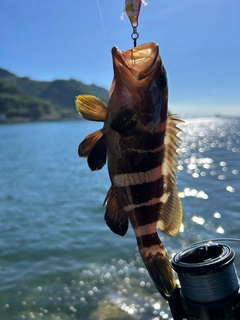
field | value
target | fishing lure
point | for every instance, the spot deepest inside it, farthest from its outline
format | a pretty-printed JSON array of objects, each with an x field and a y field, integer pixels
[{"x": 132, "y": 8}]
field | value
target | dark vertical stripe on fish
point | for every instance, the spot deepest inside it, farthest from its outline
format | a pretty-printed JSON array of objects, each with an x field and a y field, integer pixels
[
  {"x": 145, "y": 215},
  {"x": 148, "y": 240},
  {"x": 153, "y": 142},
  {"x": 142, "y": 193},
  {"x": 139, "y": 161},
  {"x": 144, "y": 141}
]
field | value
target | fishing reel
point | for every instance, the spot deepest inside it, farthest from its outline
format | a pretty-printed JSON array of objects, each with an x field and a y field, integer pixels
[{"x": 209, "y": 283}]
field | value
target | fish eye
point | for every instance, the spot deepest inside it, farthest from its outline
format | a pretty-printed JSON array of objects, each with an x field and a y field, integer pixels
[{"x": 162, "y": 81}]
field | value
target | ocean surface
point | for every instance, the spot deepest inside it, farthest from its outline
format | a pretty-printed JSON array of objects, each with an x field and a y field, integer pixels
[{"x": 59, "y": 260}]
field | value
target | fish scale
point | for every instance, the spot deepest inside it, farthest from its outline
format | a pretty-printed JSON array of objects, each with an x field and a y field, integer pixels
[{"x": 139, "y": 140}]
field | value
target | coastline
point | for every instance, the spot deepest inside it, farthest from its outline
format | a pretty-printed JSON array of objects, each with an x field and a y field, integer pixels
[{"x": 16, "y": 120}]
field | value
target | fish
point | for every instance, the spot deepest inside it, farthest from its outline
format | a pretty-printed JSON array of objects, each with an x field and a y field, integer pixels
[{"x": 139, "y": 142}]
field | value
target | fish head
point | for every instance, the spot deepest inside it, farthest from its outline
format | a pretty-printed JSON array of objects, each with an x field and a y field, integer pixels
[{"x": 139, "y": 86}]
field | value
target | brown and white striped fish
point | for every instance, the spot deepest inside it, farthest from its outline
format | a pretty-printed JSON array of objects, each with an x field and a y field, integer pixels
[{"x": 140, "y": 141}]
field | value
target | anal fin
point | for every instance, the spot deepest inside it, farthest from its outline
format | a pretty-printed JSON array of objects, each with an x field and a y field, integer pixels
[{"x": 115, "y": 217}]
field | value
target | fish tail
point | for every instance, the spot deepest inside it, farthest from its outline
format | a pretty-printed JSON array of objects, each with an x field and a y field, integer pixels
[{"x": 157, "y": 263}]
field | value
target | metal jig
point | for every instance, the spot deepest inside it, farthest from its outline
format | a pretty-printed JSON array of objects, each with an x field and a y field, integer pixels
[{"x": 132, "y": 8}]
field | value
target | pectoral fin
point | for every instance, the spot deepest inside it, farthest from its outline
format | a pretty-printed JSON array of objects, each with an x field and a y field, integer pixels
[
  {"x": 170, "y": 217},
  {"x": 91, "y": 108},
  {"x": 115, "y": 217}
]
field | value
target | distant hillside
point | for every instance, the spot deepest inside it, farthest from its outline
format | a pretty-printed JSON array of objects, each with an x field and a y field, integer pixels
[{"x": 23, "y": 99}]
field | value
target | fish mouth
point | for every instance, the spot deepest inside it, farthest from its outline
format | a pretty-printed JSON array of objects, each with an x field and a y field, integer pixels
[{"x": 140, "y": 61}]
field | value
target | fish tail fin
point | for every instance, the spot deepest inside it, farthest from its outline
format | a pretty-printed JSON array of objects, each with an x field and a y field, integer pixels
[{"x": 157, "y": 263}]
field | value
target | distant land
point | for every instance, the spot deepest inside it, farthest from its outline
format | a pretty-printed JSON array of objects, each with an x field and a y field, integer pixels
[{"x": 23, "y": 99}]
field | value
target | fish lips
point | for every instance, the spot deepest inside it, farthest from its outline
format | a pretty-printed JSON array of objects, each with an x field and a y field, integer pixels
[{"x": 137, "y": 64}]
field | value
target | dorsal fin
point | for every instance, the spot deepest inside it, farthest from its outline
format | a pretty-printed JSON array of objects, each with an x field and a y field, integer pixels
[
  {"x": 91, "y": 108},
  {"x": 171, "y": 212}
]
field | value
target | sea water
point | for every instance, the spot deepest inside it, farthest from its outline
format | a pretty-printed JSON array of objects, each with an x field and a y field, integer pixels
[{"x": 59, "y": 260}]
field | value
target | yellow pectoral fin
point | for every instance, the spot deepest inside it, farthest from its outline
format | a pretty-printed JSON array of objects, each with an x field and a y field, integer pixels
[{"x": 91, "y": 108}]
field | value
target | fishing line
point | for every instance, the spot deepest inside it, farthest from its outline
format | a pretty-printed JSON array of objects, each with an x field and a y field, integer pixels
[
  {"x": 101, "y": 18},
  {"x": 210, "y": 287}
]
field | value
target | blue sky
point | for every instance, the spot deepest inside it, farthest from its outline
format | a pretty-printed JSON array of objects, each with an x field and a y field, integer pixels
[{"x": 61, "y": 39}]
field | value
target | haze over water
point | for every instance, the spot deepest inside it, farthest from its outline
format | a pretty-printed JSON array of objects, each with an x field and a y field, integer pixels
[{"x": 58, "y": 258}]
